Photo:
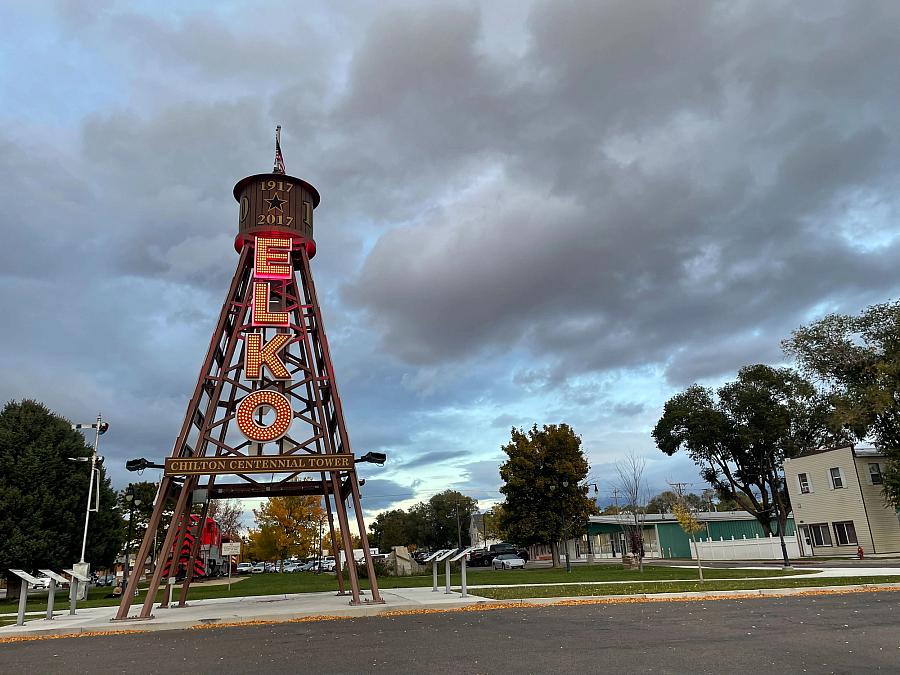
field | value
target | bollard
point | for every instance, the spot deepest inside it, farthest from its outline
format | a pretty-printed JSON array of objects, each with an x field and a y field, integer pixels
[
  {"x": 434, "y": 575},
  {"x": 462, "y": 573},
  {"x": 50, "y": 597},
  {"x": 23, "y": 600},
  {"x": 447, "y": 575},
  {"x": 73, "y": 597}
]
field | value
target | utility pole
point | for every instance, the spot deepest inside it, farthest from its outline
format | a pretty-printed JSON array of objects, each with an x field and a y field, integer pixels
[
  {"x": 458, "y": 529},
  {"x": 679, "y": 488}
]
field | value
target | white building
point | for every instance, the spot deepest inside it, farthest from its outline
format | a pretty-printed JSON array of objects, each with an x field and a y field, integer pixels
[{"x": 838, "y": 503}]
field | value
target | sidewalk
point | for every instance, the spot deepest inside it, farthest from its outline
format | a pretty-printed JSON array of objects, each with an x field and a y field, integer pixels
[{"x": 236, "y": 610}]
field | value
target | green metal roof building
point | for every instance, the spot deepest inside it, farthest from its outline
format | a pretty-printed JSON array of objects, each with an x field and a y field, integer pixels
[{"x": 664, "y": 538}]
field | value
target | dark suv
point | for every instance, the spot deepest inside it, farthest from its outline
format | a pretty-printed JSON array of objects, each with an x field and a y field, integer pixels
[{"x": 498, "y": 549}]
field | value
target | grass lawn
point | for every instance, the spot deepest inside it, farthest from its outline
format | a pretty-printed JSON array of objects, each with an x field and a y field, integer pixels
[
  {"x": 302, "y": 582},
  {"x": 671, "y": 587}
]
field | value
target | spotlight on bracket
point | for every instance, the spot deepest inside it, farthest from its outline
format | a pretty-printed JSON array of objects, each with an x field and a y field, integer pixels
[
  {"x": 140, "y": 464},
  {"x": 378, "y": 458}
]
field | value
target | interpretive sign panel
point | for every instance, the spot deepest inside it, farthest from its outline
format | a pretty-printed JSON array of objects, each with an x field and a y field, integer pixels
[{"x": 231, "y": 548}]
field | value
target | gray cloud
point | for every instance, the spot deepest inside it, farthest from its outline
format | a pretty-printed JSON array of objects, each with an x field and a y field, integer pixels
[
  {"x": 527, "y": 209},
  {"x": 379, "y": 493},
  {"x": 642, "y": 241}
]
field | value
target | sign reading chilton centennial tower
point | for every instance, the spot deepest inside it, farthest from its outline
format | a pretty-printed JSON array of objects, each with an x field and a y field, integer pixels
[{"x": 265, "y": 418}]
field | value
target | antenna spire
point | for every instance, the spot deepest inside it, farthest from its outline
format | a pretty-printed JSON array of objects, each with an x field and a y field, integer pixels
[{"x": 279, "y": 158}]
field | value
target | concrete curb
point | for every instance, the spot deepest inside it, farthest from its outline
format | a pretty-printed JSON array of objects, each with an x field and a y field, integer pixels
[{"x": 707, "y": 595}]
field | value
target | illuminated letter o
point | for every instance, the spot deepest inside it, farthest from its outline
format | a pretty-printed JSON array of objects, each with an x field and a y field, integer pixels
[{"x": 254, "y": 431}]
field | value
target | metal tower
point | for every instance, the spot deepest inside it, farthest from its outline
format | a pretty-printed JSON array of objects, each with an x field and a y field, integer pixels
[{"x": 265, "y": 410}]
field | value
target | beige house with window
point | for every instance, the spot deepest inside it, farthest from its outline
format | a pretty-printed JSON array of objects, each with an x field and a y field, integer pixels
[{"x": 837, "y": 502}]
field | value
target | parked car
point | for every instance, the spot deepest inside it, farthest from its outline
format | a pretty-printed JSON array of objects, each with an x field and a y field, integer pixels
[
  {"x": 258, "y": 568},
  {"x": 42, "y": 582},
  {"x": 107, "y": 580},
  {"x": 244, "y": 568},
  {"x": 291, "y": 567},
  {"x": 480, "y": 557},
  {"x": 508, "y": 561},
  {"x": 505, "y": 547},
  {"x": 308, "y": 566}
]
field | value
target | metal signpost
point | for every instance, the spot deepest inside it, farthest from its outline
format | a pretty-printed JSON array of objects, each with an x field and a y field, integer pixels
[
  {"x": 230, "y": 549},
  {"x": 461, "y": 556},
  {"x": 433, "y": 560},
  {"x": 445, "y": 557},
  {"x": 23, "y": 594},
  {"x": 77, "y": 580},
  {"x": 54, "y": 577}
]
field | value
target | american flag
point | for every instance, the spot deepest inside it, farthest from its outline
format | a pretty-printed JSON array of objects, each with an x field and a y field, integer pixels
[{"x": 279, "y": 158}]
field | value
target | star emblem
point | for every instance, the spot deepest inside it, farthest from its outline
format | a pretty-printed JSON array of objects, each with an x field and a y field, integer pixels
[{"x": 275, "y": 202}]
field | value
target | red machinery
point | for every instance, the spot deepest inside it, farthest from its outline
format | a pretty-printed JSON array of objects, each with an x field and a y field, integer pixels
[{"x": 209, "y": 561}]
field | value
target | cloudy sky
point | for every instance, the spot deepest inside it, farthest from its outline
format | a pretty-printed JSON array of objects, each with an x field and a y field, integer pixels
[{"x": 531, "y": 211}]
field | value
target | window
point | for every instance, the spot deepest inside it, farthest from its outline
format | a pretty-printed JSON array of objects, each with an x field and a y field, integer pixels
[
  {"x": 804, "y": 483},
  {"x": 820, "y": 534},
  {"x": 837, "y": 479},
  {"x": 845, "y": 533},
  {"x": 875, "y": 474}
]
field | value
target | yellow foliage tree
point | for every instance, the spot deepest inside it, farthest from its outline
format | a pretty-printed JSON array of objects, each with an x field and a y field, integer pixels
[
  {"x": 287, "y": 526},
  {"x": 691, "y": 527}
]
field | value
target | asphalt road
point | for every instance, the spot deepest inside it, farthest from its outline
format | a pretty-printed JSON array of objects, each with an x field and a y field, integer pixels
[{"x": 853, "y": 633}]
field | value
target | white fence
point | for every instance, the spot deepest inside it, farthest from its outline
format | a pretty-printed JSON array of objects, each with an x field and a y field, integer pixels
[{"x": 758, "y": 548}]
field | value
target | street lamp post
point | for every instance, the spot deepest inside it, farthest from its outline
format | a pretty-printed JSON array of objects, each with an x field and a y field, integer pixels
[
  {"x": 100, "y": 428},
  {"x": 132, "y": 502}
]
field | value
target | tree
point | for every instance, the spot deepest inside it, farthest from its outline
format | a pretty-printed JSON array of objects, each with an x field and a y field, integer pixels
[
  {"x": 391, "y": 528},
  {"x": 691, "y": 526},
  {"x": 631, "y": 482},
  {"x": 287, "y": 526},
  {"x": 228, "y": 514},
  {"x": 491, "y": 521},
  {"x": 43, "y": 495},
  {"x": 665, "y": 502},
  {"x": 448, "y": 515},
  {"x": 355, "y": 540},
  {"x": 857, "y": 358},
  {"x": 740, "y": 434},
  {"x": 542, "y": 483},
  {"x": 141, "y": 507}
]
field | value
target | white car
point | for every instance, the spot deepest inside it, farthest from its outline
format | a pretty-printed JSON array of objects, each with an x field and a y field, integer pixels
[
  {"x": 508, "y": 561},
  {"x": 258, "y": 568},
  {"x": 244, "y": 568},
  {"x": 43, "y": 582}
]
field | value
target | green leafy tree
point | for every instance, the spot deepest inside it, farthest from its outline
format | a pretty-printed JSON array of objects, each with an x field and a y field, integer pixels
[
  {"x": 449, "y": 514},
  {"x": 740, "y": 434},
  {"x": 858, "y": 359},
  {"x": 142, "y": 507},
  {"x": 542, "y": 483},
  {"x": 43, "y": 495},
  {"x": 391, "y": 528},
  {"x": 665, "y": 502}
]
